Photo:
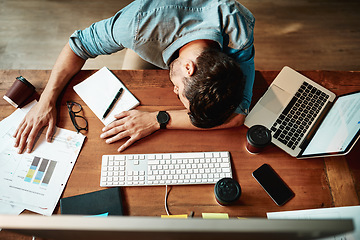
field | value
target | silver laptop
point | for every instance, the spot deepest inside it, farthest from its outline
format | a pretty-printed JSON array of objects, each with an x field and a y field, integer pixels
[{"x": 304, "y": 118}]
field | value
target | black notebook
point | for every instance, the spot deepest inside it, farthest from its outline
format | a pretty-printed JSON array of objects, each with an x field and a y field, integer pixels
[{"x": 103, "y": 202}]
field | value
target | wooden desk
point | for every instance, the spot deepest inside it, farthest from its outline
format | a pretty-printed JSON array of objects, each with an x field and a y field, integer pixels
[{"x": 317, "y": 183}]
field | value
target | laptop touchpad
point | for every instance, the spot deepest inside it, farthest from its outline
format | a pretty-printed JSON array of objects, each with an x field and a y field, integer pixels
[{"x": 275, "y": 99}]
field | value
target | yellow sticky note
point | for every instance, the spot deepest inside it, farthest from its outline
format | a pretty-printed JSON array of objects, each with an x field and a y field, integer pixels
[
  {"x": 175, "y": 216},
  {"x": 215, "y": 215}
]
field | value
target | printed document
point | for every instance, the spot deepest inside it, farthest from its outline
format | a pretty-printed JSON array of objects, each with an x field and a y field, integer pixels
[{"x": 36, "y": 180}]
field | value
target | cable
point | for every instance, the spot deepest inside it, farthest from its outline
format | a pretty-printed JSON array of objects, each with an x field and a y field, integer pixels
[
  {"x": 166, "y": 206},
  {"x": 166, "y": 197}
]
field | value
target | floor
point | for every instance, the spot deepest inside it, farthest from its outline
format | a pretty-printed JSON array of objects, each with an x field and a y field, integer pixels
[{"x": 303, "y": 34}]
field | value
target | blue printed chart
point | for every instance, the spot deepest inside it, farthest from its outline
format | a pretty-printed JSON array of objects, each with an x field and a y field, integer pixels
[{"x": 40, "y": 171}]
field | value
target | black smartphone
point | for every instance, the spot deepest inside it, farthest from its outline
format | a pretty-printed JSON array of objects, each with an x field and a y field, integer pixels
[{"x": 271, "y": 182}]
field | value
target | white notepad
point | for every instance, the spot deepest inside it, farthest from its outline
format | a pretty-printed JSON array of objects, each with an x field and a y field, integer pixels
[{"x": 99, "y": 90}]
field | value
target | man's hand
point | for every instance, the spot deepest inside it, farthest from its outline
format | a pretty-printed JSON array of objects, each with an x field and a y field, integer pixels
[
  {"x": 133, "y": 124},
  {"x": 39, "y": 116},
  {"x": 44, "y": 112}
]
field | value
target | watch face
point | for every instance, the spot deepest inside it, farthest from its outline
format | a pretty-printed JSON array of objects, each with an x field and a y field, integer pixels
[{"x": 163, "y": 117}]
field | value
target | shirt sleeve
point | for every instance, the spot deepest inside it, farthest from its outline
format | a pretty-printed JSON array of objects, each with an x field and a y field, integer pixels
[
  {"x": 104, "y": 37},
  {"x": 245, "y": 58}
]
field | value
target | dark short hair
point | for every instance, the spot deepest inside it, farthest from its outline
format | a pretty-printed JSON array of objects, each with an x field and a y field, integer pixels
[{"x": 214, "y": 90}]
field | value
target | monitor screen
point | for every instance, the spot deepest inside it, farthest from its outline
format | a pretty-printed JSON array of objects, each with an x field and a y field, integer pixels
[{"x": 125, "y": 227}]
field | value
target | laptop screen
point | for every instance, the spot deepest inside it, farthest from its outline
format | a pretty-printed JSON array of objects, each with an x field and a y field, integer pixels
[{"x": 340, "y": 128}]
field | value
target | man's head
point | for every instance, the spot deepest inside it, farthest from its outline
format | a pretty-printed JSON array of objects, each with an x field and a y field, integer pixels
[{"x": 211, "y": 87}]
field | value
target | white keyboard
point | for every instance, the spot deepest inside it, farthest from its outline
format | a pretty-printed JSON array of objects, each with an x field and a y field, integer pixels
[{"x": 164, "y": 169}]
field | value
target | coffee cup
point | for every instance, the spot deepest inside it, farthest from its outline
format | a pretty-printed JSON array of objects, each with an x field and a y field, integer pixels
[
  {"x": 227, "y": 191},
  {"x": 258, "y": 137},
  {"x": 20, "y": 90}
]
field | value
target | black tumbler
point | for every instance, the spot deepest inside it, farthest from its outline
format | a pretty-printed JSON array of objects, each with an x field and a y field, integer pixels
[
  {"x": 227, "y": 191},
  {"x": 258, "y": 137}
]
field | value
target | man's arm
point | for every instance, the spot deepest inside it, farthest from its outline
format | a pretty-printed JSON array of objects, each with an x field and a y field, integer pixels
[
  {"x": 179, "y": 119},
  {"x": 44, "y": 112},
  {"x": 245, "y": 58},
  {"x": 136, "y": 124}
]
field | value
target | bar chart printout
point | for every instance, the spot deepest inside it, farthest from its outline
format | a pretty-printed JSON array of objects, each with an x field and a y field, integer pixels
[
  {"x": 42, "y": 169},
  {"x": 36, "y": 180}
]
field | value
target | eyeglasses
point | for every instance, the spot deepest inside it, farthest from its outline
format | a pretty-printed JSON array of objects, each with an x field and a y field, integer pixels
[{"x": 79, "y": 122}]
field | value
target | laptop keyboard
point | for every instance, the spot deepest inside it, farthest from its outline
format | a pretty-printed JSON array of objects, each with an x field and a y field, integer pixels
[{"x": 298, "y": 116}]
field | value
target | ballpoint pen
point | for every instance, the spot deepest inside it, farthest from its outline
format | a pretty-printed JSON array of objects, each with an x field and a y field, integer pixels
[{"x": 113, "y": 103}]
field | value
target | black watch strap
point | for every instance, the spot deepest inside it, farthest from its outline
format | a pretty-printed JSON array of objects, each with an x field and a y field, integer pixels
[{"x": 163, "y": 119}]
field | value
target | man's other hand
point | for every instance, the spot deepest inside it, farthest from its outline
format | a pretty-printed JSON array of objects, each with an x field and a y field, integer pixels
[{"x": 133, "y": 124}]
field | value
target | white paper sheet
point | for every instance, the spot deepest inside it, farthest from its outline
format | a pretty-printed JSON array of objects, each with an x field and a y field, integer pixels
[
  {"x": 99, "y": 90},
  {"x": 36, "y": 180},
  {"x": 6, "y": 209},
  {"x": 352, "y": 212}
]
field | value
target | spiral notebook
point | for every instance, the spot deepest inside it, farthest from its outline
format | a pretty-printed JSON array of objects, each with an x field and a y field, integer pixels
[{"x": 99, "y": 90}]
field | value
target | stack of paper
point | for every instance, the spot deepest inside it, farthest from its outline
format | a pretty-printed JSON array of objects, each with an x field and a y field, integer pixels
[{"x": 35, "y": 180}]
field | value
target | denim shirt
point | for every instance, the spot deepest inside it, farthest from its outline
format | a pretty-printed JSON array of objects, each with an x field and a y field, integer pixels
[{"x": 155, "y": 30}]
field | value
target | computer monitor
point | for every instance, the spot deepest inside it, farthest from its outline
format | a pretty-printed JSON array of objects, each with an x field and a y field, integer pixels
[{"x": 149, "y": 228}]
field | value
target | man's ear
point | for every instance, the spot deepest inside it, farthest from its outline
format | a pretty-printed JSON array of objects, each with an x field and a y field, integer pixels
[{"x": 190, "y": 68}]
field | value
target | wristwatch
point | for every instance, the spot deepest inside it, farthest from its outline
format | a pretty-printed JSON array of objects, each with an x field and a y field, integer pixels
[{"x": 163, "y": 119}]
